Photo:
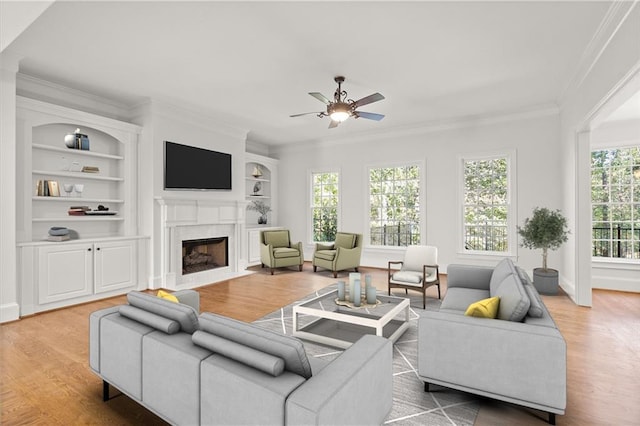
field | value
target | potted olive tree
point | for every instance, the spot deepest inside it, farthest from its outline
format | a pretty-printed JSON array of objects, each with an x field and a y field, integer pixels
[{"x": 546, "y": 230}]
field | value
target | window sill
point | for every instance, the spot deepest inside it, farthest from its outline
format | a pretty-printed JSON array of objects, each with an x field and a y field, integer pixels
[{"x": 613, "y": 263}]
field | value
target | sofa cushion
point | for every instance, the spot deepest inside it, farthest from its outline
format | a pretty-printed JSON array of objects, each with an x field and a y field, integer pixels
[
  {"x": 167, "y": 296},
  {"x": 407, "y": 277},
  {"x": 514, "y": 302},
  {"x": 157, "y": 322},
  {"x": 257, "y": 359},
  {"x": 485, "y": 308},
  {"x": 345, "y": 240},
  {"x": 500, "y": 272},
  {"x": 183, "y": 314},
  {"x": 277, "y": 238},
  {"x": 283, "y": 252},
  {"x": 536, "y": 309},
  {"x": 325, "y": 254},
  {"x": 458, "y": 299},
  {"x": 288, "y": 348}
]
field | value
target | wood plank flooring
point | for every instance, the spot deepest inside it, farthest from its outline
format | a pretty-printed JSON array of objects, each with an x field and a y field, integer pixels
[{"x": 45, "y": 377}]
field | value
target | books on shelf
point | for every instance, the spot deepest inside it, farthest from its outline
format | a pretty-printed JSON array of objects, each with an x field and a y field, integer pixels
[
  {"x": 58, "y": 238},
  {"x": 47, "y": 188},
  {"x": 78, "y": 210},
  {"x": 91, "y": 169}
]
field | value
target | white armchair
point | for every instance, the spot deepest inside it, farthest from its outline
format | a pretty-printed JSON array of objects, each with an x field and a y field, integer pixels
[{"x": 418, "y": 271}]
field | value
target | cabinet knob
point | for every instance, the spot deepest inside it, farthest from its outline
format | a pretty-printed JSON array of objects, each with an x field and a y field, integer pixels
[
  {"x": 97, "y": 248},
  {"x": 89, "y": 249}
]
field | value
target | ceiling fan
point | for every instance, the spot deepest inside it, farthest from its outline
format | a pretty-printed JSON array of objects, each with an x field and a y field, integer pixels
[{"x": 342, "y": 108}]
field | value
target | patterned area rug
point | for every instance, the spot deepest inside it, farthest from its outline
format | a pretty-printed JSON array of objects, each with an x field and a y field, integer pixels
[{"x": 411, "y": 404}]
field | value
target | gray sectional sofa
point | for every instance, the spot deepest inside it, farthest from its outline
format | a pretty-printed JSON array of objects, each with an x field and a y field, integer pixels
[
  {"x": 519, "y": 357},
  {"x": 207, "y": 369}
]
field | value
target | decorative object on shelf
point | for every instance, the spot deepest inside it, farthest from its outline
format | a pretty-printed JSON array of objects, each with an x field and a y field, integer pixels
[
  {"x": 90, "y": 169},
  {"x": 78, "y": 210},
  {"x": 341, "y": 291},
  {"x": 257, "y": 187},
  {"x": 547, "y": 229},
  {"x": 58, "y": 233},
  {"x": 262, "y": 208},
  {"x": 64, "y": 164},
  {"x": 77, "y": 140},
  {"x": 68, "y": 188},
  {"x": 75, "y": 167},
  {"x": 79, "y": 187},
  {"x": 257, "y": 172}
]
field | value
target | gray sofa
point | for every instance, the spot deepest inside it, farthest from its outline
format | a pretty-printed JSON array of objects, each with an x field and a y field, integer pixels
[
  {"x": 519, "y": 357},
  {"x": 207, "y": 369}
]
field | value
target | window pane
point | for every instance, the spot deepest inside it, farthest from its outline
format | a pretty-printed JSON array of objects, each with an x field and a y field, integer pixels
[
  {"x": 394, "y": 210},
  {"x": 324, "y": 209},
  {"x": 615, "y": 191},
  {"x": 486, "y": 204}
]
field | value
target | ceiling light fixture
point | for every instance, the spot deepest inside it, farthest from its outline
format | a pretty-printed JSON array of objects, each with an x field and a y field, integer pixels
[{"x": 339, "y": 111}]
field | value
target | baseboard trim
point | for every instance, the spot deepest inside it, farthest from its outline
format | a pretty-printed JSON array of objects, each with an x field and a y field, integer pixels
[{"x": 9, "y": 312}]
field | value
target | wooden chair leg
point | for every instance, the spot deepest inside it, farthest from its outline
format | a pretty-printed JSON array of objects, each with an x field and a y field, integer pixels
[
  {"x": 271, "y": 271},
  {"x": 315, "y": 268},
  {"x": 335, "y": 274},
  {"x": 300, "y": 267}
]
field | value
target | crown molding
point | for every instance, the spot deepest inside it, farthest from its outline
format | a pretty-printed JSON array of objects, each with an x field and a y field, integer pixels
[
  {"x": 616, "y": 15},
  {"x": 430, "y": 127},
  {"x": 46, "y": 91}
]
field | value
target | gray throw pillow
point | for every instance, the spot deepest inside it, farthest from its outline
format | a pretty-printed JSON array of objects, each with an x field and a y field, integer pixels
[
  {"x": 514, "y": 302},
  {"x": 184, "y": 314},
  {"x": 500, "y": 272},
  {"x": 536, "y": 309},
  {"x": 288, "y": 348}
]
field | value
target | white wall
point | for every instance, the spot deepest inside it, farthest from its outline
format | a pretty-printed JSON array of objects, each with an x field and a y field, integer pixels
[
  {"x": 165, "y": 122},
  {"x": 533, "y": 136},
  {"x": 617, "y": 62}
]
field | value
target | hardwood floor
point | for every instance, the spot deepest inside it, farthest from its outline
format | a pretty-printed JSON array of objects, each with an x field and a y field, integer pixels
[{"x": 45, "y": 376}]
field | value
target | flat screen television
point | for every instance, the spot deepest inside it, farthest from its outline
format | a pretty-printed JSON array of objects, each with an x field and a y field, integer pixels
[{"x": 191, "y": 168}]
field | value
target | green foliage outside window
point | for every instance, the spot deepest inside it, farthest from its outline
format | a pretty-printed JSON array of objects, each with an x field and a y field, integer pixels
[
  {"x": 486, "y": 204},
  {"x": 325, "y": 206},
  {"x": 615, "y": 202},
  {"x": 394, "y": 200}
]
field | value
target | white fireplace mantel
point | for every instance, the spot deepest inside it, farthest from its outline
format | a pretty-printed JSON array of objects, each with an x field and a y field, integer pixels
[{"x": 185, "y": 219}]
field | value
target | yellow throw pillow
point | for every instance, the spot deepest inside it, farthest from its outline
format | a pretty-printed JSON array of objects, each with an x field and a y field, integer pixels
[
  {"x": 486, "y": 308},
  {"x": 167, "y": 296}
]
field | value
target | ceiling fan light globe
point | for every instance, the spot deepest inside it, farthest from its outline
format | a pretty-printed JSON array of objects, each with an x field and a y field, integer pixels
[{"x": 339, "y": 116}]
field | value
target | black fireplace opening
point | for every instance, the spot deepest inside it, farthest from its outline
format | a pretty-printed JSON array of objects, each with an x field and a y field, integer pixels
[{"x": 204, "y": 254}]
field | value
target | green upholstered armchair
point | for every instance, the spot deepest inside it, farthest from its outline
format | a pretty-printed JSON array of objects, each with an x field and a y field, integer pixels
[
  {"x": 344, "y": 253},
  {"x": 277, "y": 251}
]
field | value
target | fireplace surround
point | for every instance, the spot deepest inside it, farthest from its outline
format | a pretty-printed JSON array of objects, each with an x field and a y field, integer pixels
[{"x": 186, "y": 220}]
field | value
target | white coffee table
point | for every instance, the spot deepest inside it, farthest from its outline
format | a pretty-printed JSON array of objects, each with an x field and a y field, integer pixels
[{"x": 322, "y": 320}]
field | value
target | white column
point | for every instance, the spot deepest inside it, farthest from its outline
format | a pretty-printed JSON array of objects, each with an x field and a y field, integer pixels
[{"x": 9, "y": 307}]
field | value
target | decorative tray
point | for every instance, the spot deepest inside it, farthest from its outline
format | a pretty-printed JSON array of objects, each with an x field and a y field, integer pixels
[
  {"x": 363, "y": 303},
  {"x": 101, "y": 213}
]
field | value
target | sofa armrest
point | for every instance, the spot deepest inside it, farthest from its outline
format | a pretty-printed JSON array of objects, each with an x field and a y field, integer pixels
[
  {"x": 189, "y": 297},
  {"x": 360, "y": 377},
  {"x": 325, "y": 246},
  {"x": 94, "y": 335},
  {"x": 512, "y": 361},
  {"x": 469, "y": 276},
  {"x": 298, "y": 246}
]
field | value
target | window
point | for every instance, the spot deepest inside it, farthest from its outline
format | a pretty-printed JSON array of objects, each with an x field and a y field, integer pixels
[
  {"x": 394, "y": 206},
  {"x": 324, "y": 206},
  {"x": 486, "y": 205},
  {"x": 615, "y": 202}
]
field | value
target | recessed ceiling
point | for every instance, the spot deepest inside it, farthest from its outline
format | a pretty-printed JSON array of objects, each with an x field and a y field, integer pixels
[{"x": 252, "y": 64}]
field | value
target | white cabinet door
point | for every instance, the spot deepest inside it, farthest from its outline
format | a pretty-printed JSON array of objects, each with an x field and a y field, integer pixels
[
  {"x": 114, "y": 265},
  {"x": 64, "y": 272}
]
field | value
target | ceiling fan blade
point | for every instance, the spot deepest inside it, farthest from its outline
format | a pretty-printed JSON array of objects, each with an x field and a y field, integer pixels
[
  {"x": 333, "y": 124},
  {"x": 319, "y": 96},
  {"x": 368, "y": 115},
  {"x": 304, "y": 113},
  {"x": 369, "y": 100}
]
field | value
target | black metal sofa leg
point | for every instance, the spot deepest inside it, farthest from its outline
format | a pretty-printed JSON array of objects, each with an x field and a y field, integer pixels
[
  {"x": 552, "y": 418},
  {"x": 105, "y": 391},
  {"x": 426, "y": 386}
]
